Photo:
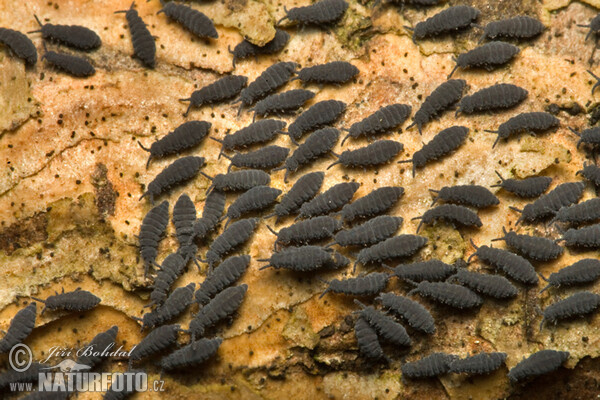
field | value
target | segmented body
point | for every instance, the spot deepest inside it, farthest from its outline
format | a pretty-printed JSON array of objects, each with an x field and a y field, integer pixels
[
  {"x": 377, "y": 153},
  {"x": 74, "y": 36},
  {"x": 394, "y": 247},
  {"x": 412, "y": 312},
  {"x": 336, "y": 72},
  {"x": 220, "y": 307},
  {"x": 246, "y": 49},
  {"x": 444, "y": 143},
  {"x": 427, "y": 367},
  {"x": 179, "y": 172},
  {"x": 329, "y": 201},
  {"x": 488, "y": 285},
  {"x": 369, "y": 233},
  {"x": 376, "y": 202},
  {"x": 531, "y": 187},
  {"x": 269, "y": 80},
  {"x": 455, "y": 296},
  {"x": 234, "y": 236},
  {"x": 157, "y": 340},
  {"x": 533, "y": 247},
  {"x": 191, "y": 355},
  {"x": 193, "y": 20},
  {"x": 73, "y": 65},
  {"x": 305, "y": 188},
  {"x": 499, "y": 96},
  {"x": 489, "y": 56},
  {"x": 380, "y": 122},
  {"x": 513, "y": 265},
  {"x": 228, "y": 272},
  {"x": 20, "y": 327},
  {"x": 144, "y": 46},
  {"x": 185, "y": 136},
  {"x": 479, "y": 364},
  {"x": 519, "y": 27},
  {"x": 450, "y": 20},
  {"x": 537, "y": 364},
  {"x": 563, "y": 195},
  {"x": 319, "y": 115},
  {"x": 468, "y": 195},
  {"x": 368, "y": 285},
  {"x": 441, "y": 99},
  {"x": 535, "y": 122},
  {"x": 451, "y": 213},
  {"x": 19, "y": 44}
]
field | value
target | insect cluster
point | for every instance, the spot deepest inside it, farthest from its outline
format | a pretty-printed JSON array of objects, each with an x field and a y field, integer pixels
[
  {"x": 331, "y": 221},
  {"x": 75, "y": 37}
]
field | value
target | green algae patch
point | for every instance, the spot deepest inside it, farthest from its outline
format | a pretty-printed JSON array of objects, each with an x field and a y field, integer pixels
[
  {"x": 506, "y": 326},
  {"x": 354, "y": 29},
  {"x": 78, "y": 241},
  {"x": 299, "y": 331},
  {"x": 445, "y": 243},
  {"x": 67, "y": 215}
]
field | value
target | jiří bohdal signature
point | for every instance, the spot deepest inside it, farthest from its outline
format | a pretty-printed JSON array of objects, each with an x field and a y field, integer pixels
[{"x": 67, "y": 366}]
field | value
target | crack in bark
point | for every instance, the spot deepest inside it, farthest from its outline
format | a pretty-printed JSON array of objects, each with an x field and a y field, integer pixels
[
  {"x": 16, "y": 125},
  {"x": 54, "y": 156}
]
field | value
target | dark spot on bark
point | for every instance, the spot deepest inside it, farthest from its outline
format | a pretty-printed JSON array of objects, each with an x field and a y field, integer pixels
[
  {"x": 327, "y": 331},
  {"x": 236, "y": 5},
  {"x": 572, "y": 109},
  {"x": 24, "y": 233},
  {"x": 595, "y": 115},
  {"x": 105, "y": 193},
  {"x": 553, "y": 109}
]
